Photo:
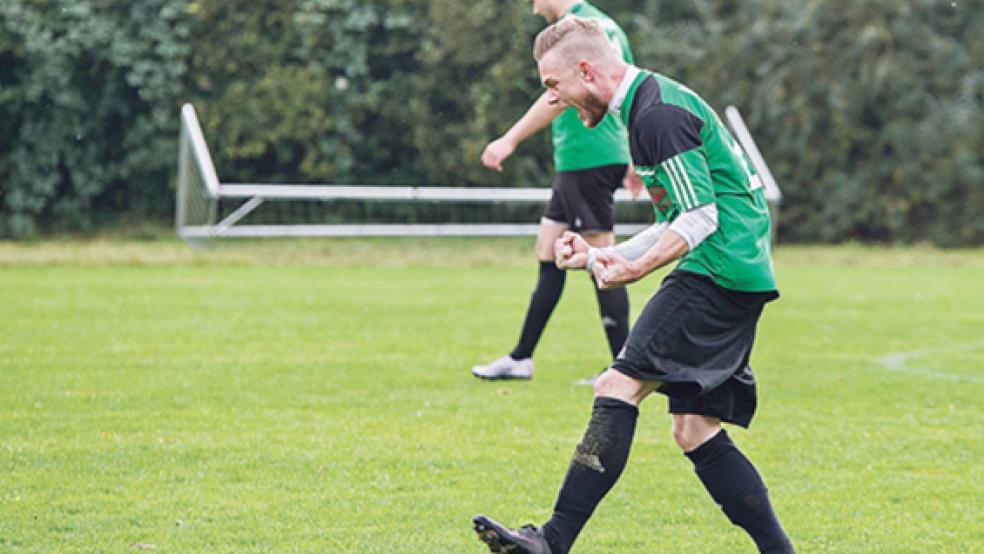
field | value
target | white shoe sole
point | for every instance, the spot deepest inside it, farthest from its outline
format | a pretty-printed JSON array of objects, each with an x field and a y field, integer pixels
[{"x": 503, "y": 376}]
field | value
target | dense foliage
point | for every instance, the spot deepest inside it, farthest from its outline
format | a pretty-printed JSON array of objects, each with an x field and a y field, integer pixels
[{"x": 871, "y": 112}]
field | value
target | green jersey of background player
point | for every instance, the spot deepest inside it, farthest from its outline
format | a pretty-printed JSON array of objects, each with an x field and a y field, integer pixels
[
  {"x": 576, "y": 146},
  {"x": 590, "y": 165}
]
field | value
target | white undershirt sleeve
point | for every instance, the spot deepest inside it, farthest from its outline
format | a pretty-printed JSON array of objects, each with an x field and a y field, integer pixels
[
  {"x": 697, "y": 224},
  {"x": 633, "y": 248},
  {"x": 694, "y": 226}
]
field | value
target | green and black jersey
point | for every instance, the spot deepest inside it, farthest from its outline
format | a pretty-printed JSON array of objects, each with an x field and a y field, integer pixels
[
  {"x": 575, "y": 146},
  {"x": 688, "y": 158}
]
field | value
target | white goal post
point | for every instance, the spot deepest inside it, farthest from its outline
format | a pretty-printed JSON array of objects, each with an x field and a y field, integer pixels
[
  {"x": 200, "y": 196},
  {"x": 744, "y": 138},
  {"x": 199, "y": 192}
]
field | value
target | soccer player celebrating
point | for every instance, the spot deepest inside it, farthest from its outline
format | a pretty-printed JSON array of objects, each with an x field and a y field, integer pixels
[
  {"x": 693, "y": 339},
  {"x": 591, "y": 164}
]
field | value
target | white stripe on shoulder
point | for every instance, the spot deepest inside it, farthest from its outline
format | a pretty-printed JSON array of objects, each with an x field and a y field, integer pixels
[
  {"x": 675, "y": 183},
  {"x": 689, "y": 186}
]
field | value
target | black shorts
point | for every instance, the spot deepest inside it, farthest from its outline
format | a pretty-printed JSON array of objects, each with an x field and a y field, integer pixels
[
  {"x": 583, "y": 199},
  {"x": 695, "y": 337}
]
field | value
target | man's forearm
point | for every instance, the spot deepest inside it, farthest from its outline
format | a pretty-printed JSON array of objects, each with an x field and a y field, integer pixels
[
  {"x": 540, "y": 114},
  {"x": 683, "y": 235},
  {"x": 633, "y": 248},
  {"x": 691, "y": 228},
  {"x": 669, "y": 247}
]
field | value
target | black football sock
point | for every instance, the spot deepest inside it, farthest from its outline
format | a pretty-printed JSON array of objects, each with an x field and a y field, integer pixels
[
  {"x": 613, "y": 304},
  {"x": 738, "y": 489},
  {"x": 545, "y": 297},
  {"x": 598, "y": 462}
]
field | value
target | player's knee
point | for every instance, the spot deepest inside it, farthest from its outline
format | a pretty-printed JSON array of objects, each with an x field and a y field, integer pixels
[
  {"x": 613, "y": 384},
  {"x": 604, "y": 383},
  {"x": 690, "y": 431},
  {"x": 680, "y": 435},
  {"x": 547, "y": 234},
  {"x": 545, "y": 251}
]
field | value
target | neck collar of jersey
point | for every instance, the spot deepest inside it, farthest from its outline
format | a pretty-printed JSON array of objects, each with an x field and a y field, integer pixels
[
  {"x": 573, "y": 9},
  {"x": 618, "y": 100}
]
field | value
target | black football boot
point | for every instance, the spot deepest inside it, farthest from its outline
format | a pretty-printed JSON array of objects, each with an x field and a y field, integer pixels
[{"x": 503, "y": 540}]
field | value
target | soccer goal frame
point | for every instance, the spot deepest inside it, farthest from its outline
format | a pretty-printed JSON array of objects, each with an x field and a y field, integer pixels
[{"x": 200, "y": 191}]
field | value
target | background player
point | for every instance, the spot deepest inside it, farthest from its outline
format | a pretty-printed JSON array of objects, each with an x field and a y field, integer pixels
[{"x": 590, "y": 164}]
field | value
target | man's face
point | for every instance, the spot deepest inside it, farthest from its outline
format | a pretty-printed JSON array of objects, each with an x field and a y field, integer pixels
[{"x": 574, "y": 87}]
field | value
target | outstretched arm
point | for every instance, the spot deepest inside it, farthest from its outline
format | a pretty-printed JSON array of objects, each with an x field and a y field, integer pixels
[{"x": 540, "y": 114}]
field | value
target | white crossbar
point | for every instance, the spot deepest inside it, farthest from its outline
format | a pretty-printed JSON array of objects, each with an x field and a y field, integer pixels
[
  {"x": 281, "y": 191},
  {"x": 382, "y": 230}
]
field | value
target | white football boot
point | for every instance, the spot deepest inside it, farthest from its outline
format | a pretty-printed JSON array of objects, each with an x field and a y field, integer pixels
[{"x": 505, "y": 368}]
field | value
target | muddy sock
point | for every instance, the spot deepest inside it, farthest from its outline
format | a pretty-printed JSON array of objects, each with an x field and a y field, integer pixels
[
  {"x": 738, "y": 489},
  {"x": 598, "y": 462},
  {"x": 545, "y": 297},
  {"x": 613, "y": 304}
]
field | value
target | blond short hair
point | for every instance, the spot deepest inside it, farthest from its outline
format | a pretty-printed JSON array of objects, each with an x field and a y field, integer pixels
[{"x": 574, "y": 39}]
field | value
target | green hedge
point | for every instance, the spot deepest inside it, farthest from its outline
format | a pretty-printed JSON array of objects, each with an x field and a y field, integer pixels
[{"x": 870, "y": 112}]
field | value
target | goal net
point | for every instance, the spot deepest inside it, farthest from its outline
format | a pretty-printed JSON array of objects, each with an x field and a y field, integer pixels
[{"x": 208, "y": 209}]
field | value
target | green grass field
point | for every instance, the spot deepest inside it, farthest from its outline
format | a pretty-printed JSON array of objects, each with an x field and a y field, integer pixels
[{"x": 315, "y": 396}]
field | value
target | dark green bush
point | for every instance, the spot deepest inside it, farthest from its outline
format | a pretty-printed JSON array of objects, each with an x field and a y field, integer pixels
[{"x": 870, "y": 112}]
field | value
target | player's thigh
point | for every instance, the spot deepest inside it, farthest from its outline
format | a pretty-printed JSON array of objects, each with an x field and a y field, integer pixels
[
  {"x": 600, "y": 239},
  {"x": 548, "y": 232},
  {"x": 615, "y": 384}
]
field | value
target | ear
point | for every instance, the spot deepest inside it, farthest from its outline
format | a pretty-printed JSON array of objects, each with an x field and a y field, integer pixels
[{"x": 586, "y": 71}]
